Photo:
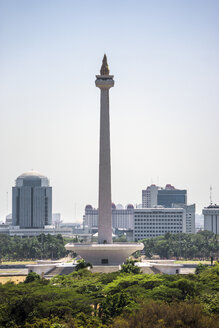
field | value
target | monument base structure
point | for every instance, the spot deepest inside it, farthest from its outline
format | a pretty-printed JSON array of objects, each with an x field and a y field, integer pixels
[{"x": 105, "y": 254}]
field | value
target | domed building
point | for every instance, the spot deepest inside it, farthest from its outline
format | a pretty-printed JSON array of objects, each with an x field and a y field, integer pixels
[
  {"x": 130, "y": 207},
  {"x": 32, "y": 201}
]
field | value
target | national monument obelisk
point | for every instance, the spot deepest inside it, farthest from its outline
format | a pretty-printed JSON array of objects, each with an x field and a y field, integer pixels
[
  {"x": 104, "y": 82},
  {"x": 105, "y": 252}
]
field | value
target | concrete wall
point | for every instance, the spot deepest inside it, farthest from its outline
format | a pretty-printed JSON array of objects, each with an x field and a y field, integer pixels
[
  {"x": 168, "y": 269},
  {"x": 40, "y": 268}
]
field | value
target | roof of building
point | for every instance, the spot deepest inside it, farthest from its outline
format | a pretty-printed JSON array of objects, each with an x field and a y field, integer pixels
[
  {"x": 213, "y": 206},
  {"x": 130, "y": 206},
  {"x": 33, "y": 179},
  {"x": 31, "y": 174},
  {"x": 169, "y": 187},
  {"x": 88, "y": 207}
]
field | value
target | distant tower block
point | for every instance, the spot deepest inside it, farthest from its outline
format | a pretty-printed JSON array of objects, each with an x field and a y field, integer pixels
[{"x": 104, "y": 82}]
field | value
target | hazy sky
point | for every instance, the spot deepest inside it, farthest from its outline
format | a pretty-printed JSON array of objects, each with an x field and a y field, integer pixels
[{"x": 164, "y": 106}]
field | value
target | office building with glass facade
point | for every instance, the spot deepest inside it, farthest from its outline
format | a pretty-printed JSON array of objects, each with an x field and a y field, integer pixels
[
  {"x": 170, "y": 195},
  {"x": 31, "y": 201}
]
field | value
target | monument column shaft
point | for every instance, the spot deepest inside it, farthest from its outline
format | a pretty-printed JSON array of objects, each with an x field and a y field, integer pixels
[{"x": 105, "y": 203}]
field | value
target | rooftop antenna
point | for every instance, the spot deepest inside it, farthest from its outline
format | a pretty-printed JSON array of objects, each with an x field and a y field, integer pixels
[{"x": 210, "y": 195}]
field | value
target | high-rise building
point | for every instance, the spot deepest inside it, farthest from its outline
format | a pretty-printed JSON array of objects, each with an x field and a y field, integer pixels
[
  {"x": 149, "y": 196},
  {"x": 170, "y": 195},
  {"x": 32, "y": 201},
  {"x": 211, "y": 218}
]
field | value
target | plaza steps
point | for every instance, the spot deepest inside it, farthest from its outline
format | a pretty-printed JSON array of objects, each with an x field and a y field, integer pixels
[
  {"x": 150, "y": 270},
  {"x": 59, "y": 271},
  {"x": 155, "y": 270}
]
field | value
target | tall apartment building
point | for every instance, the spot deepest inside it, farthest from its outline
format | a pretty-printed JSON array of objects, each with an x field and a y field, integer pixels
[
  {"x": 121, "y": 218},
  {"x": 32, "y": 201},
  {"x": 149, "y": 196},
  {"x": 211, "y": 218},
  {"x": 153, "y": 222}
]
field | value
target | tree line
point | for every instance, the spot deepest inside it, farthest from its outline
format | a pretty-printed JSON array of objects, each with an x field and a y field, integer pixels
[
  {"x": 39, "y": 247},
  {"x": 203, "y": 245}
]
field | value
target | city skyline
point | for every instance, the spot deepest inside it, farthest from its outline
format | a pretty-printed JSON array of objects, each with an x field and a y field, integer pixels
[{"x": 164, "y": 110}]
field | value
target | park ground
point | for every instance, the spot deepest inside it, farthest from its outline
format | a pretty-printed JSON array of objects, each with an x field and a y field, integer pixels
[{"x": 17, "y": 275}]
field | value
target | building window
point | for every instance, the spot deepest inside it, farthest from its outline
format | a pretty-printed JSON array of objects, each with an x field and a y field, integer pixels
[{"x": 104, "y": 261}]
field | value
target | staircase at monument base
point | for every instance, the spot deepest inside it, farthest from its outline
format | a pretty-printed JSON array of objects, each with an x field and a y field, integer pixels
[{"x": 59, "y": 271}]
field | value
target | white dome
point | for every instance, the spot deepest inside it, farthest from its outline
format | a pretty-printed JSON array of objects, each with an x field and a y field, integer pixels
[
  {"x": 31, "y": 177},
  {"x": 31, "y": 174}
]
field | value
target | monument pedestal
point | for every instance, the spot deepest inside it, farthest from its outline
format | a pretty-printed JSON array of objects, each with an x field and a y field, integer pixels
[{"x": 105, "y": 254}]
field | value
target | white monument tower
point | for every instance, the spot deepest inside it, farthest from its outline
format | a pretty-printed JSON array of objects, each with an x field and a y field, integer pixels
[
  {"x": 104, "y": 82},
  {"x": 105, "y": 252}
]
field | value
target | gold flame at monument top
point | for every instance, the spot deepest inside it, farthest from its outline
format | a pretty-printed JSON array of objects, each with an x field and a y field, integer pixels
[{"x": 104, "y": 68}]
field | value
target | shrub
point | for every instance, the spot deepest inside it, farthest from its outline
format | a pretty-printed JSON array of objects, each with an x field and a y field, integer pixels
[
  {"x": 82, "y": 265},
  {"x": 130, "y": 267},
  {"x": 200, "y": 268},
  {"x": 32, "y": 276}
]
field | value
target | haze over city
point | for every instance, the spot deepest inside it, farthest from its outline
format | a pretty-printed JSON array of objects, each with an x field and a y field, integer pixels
[{"x": 164, "y": 106}]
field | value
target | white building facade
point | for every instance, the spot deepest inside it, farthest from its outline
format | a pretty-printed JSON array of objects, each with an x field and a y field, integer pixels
[
  {"x": 167, "y": 219},
  {"x": 153, "y": 222},
  {"x": 211, "y": 218},
  {"x": 190, "y": 216},
  {"x": 121, "y": 218}
]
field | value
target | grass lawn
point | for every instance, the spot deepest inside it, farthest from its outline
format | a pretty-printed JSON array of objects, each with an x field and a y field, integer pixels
[
  {"x": 17, "y": 262},
  {"x": 10, "y": 271},
  {"x": 16, "y": 280},
  {"x": 193, "y": 262}
]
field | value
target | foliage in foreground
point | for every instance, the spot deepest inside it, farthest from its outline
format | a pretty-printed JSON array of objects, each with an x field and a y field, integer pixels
[
  {"x": 84, "y": 299},
  {"x": 177, "y": 315}
]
